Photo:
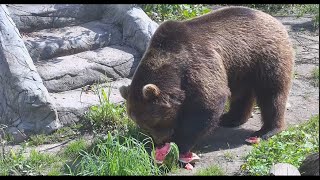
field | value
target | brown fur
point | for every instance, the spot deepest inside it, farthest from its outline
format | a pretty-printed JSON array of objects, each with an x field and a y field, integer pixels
[{"x": 235, "y": 53}]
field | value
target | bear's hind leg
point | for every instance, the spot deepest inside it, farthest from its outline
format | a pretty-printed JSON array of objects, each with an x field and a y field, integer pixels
[
  {"x": 240, "y": 110},
  {"x": 272, "y": 108}
]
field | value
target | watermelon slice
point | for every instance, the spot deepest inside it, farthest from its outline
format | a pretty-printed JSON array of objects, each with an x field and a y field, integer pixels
[
  {"x": 253, "y": 140},
  {"x": 189, "y": 157},
  {"x": 188, "y": 166},
  {"x": 162, "y": 152}
]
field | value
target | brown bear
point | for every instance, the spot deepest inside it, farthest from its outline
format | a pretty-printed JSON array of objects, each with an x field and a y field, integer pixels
[{"x": 191, "y": 68}]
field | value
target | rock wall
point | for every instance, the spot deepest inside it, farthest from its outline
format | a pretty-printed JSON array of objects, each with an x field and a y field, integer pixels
[
  {"x": 25, "y": 105},
  {"x": 62, "y": 49}
]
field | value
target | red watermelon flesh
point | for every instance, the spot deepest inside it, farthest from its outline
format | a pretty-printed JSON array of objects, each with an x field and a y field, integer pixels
[
  {"x": 188, "y": 166},
  {"x": 162, "y": 152},
  {"x": 189, "y": 157},
  {"x": 253, "y": 140}
]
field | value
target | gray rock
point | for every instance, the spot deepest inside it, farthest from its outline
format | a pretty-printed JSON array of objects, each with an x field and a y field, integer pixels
[
  {"x": 72, "y": 105},
  {"x": 310, "y": 166},
  {"x": 49, "y": 43},
  {"x": 72, "y": 46},
  {"x": 89, "y": 67},
  {"x": 16, "y": 134},
  {"x": 23, "y": 96},
  {"x": 33, "y": 17},
  {"x": 284, "y": 169},
  {"x": 137, "y": 27}
]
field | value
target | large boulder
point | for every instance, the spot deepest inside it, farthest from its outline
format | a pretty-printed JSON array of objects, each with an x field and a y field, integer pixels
[
  {"x": 137, "y": 27},
  {"x": 310, "y": 166},
  {"x": 25, "y": 105},
  {"x": 62, "y": 49},
  {"x": 33, "y": 17}
]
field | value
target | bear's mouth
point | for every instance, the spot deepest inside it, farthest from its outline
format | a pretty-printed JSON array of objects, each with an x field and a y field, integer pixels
[
  {"x": 161, "y": 152},
  {"x": 160, "y": 142}
]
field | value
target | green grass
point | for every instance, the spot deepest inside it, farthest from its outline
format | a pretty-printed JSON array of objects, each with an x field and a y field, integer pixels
[
  {"x": 17, "y": 163},
  {"x": 315, "y": 76},
  {"x": 109, "y": 117},
  {"x": 74, "y": 149},
  {"x": 229, "y": 156},
  {"x": 60, "y": 135},
  {"x": 116, "y": 155},
  {"x": 113, "y": 155},
  {"x": 213, "y": 170},
  {"x": 290, "y": 146},
  {"x": 123, "y": 152}
]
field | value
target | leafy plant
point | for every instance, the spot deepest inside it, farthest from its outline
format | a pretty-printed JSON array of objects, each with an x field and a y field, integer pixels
[
  {"x": 108, "y": 116},
  {"x": 163, "y": 12},
  {"x": 290, "y": 146},
  {"x": 311, "y": 9},
  {"x": 289, "y": 9}
]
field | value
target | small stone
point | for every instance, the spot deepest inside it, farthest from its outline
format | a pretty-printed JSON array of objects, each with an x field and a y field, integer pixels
[
  {"x": 288, "y": 105},
  {"x": 284, "y": 169}
]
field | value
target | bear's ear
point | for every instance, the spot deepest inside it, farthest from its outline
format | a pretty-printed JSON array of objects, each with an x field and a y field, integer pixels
[
  {"x": 124, "y": 91},
  {"x": 150, "y": 91}
]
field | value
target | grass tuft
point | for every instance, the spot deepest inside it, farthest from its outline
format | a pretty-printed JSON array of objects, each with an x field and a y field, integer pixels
[
  {"x": 290, "y": 146},
  {"x": 213, "y": 170}
]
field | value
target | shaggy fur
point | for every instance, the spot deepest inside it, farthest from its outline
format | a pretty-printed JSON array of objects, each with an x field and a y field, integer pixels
[{"x": 195, "y": 66}]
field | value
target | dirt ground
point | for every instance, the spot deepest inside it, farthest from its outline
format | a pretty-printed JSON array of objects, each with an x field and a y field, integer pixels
[{"x": 226, "y": 147}]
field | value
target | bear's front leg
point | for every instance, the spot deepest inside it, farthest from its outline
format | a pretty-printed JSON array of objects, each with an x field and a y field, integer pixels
[{"x": 193, "y": 125}]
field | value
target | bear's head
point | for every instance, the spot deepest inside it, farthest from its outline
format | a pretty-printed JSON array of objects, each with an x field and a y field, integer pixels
[{"x": 154, "y": 111}]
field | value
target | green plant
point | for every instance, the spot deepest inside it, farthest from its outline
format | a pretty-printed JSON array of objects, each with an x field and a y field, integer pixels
[
  {"x": 315, "y": 76},
  {"x": 273, "y": 9},
  {"x": 74, "y": 149},
  {"x": 286, "y": 9},
  {"x": 213, "y": 170},
  {"x": 60, "y": 135},
  {"x": 311, "y": 9},
  {"x": 229, "y": 156},
  {"x": 116, "y": 155},
  {"x": 290, "y": 146},
  {"x": 163, "y": 12},
  {"x": 108, "y": 116},
  {"x": 17, "y": 163}
]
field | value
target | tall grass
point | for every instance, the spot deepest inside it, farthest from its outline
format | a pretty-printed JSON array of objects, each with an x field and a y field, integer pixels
[
  {"x": 116, "y": 155},
  {"x": 110, "y": 117}
]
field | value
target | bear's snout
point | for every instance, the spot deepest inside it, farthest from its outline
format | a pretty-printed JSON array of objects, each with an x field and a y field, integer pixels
[{"x": 161, "y": 137}]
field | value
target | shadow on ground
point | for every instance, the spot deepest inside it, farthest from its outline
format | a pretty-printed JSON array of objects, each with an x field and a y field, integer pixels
[{"x": 223, "y": 138}]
